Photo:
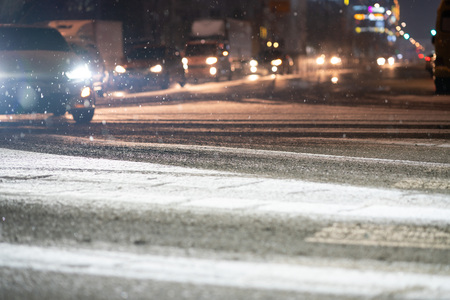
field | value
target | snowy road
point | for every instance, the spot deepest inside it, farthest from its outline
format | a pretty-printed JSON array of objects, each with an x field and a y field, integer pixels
[
  {"x": 159, "y": 225},
  {"x": 97, "y": 182},
  {"x": 283, "y": 188}
]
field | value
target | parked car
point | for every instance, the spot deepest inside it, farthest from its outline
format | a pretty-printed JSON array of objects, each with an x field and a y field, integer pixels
[
  {"x": 150, "y": 66},
  {"x": 40, "y": 73}
]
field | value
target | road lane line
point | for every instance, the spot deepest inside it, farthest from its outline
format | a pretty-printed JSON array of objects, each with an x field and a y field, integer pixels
[
  {"x": 81, "y": 181},
  {"x": 383, "y": 236},
  {"x": 260, "y": 152},
  {"x": 227, "y": 273}
]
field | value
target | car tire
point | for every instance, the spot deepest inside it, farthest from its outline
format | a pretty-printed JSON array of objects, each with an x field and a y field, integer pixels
[
  {"x": 182, "y": 81},
  {"x": 442, "y": 85},
  {"x": 59, "y": 112},
  {"x": 82, "y": 116},
  {"x": 165, "y": 82}
]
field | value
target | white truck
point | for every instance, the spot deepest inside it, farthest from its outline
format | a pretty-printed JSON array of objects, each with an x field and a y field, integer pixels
[
  {"x": 99, "y": 42},
  {"x": 218, "y": 47}
]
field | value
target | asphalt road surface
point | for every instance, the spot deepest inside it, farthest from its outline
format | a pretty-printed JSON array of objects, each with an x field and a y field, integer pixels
[{"x": 279, "y": 188}]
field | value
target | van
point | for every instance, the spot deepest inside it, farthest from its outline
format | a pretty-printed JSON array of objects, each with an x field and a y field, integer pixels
[{"x": 441, "y": 69}]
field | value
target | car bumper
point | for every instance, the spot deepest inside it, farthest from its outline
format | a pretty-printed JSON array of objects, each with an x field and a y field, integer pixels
[
  {"x": 442, "y": 72},
  {"x": 202, "y": 71},
  {"x": 27, "y": 96},
  {"x": 138, "y": 81}
]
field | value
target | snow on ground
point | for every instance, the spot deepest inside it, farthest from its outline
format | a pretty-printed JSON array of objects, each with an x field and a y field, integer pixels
[
  {"x": 77, "y": 180},
  {"x": 365, "y": 283}
]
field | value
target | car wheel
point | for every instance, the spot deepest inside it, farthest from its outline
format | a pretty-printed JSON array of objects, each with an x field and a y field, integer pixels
[
  {"x": 82, "y": 116},
  {"x": 442, "y": 85},
  {"x": 59, "y": 112},
  {"x": 230, "y": 75},
  {"x": 166, "y": 82},
  {"x": 182, "y": 81}
]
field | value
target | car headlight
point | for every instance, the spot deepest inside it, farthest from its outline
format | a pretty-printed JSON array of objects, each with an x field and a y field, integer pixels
[
  {"x": 253, "y": 63},
  {"x": 276, "y": 62},
  {"x": 211, "y": 60},
  {"x": 120, "y": 69},
  {"x": 80, "y": 72},
  {"x": 156, "y": 69},
  {"x": 85, "y": 92},
  {"x": 185, "y": 62},
  {"x": 381, "y": 61},
  {"x": 335, "y": 60},
  {"x": 320, "y": 60}
]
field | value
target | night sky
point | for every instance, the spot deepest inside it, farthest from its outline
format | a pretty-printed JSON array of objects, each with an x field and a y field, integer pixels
[{"x": 419, "y": 16}]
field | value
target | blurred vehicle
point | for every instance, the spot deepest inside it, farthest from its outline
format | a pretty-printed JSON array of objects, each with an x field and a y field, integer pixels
[
  {"x": 233, "y": 48},
  {"x": 249, "y": 67},
  {"x": 386, "y": 60},
  {"x": 429, "y": 63},
  {"x": 91, "y": 56},
  {"x": 150, "y": 66},
  {"x": 100, "y": 39},
  {"x": 274, "y": 61},
  {"x": 441, "y": 70},
  {"x": 207, "y": 59},
  {"x": 40, "y": 73},
  {"x": 329, "y": 61}
]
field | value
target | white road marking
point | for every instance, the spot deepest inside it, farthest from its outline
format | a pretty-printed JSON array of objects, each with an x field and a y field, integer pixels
[
  {"x": 268, "y": 153},
  {"x": 238, "y": 274},
  {"x": 85, "y": 181},
  {"x": 385, "y": 235}
]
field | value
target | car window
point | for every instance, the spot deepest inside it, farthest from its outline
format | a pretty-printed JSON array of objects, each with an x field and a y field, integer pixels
[
  {"x": 146, "y": 53},
  {"x": 31, "y": 39},
  {"x": 445, "y": 25},
  {"x": 201, "y": 49}
]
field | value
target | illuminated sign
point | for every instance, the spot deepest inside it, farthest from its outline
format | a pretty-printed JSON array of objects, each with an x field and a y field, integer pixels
[{"x": 280, "y": 6}]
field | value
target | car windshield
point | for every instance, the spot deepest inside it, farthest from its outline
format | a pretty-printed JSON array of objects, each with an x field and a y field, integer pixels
[
  {"x": 23, "y": 38},
  {"x": 147, "y": 53},
  {"x": 271, "y": 54},
  {"x": 198, "y": 49}
]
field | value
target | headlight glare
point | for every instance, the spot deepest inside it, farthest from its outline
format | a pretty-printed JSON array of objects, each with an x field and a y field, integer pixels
[
  {"x": 335, "y": 60},
  {"x": 85, "y": 92},
  {"x": 156, "y": 69},
  {"x": 381, "y": 61},
  {"x": 120, "y": 69},
  {"x": 276, "y": 62},
  {"x": 211, "y": 60},
  {"x": 80, "y": 72},
  {"x": 320, "y": 60}
]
